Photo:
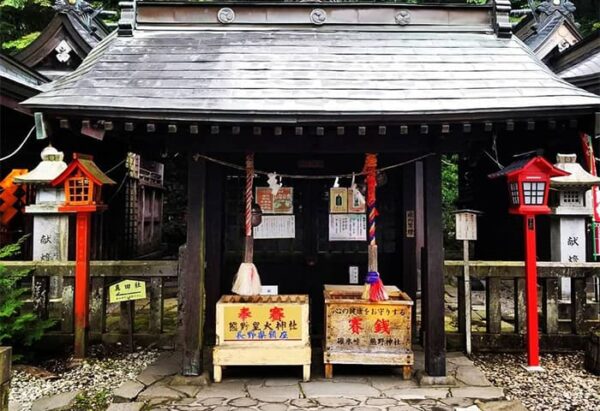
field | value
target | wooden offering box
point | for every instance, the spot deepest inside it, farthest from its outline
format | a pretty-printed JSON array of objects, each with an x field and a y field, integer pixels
[
  {"x": 363, "y": 332},
  {"x": 262, "y": 330}
]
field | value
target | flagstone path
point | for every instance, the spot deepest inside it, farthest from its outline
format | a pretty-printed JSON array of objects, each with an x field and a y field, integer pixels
[{"x": 271, "y": 389}]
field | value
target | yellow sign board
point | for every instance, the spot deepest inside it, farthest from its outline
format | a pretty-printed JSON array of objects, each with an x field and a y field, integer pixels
[
  {"x": 368, "y": 326},
  {"x": 262, "y": 322},
  {"x": 126, "y": 290}
]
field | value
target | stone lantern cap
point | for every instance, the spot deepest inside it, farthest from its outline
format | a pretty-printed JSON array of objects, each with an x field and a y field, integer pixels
[
  {"x": 51, "y": 166},
  {"x": 577, "y": 178}
]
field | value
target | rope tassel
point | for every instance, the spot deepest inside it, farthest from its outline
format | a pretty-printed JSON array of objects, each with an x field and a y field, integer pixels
[
  {"x": 374, "y": 289},
  {"x": 247, "y": 280}
]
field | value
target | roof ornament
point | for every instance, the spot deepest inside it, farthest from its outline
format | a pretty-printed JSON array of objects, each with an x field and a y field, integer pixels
[
  {"x": 226, "y": 15},
  {"x": 81, "y": 9},
  {"x": 403, "y": 17},
  {"x": 502, "y": 24},
  {"x": 318, "y": 16},
  {"x": 564, "y": 7}
]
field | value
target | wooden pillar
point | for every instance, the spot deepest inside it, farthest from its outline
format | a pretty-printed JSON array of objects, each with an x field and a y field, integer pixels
[
  {"x": 433, "y": 274},
  {"x": 82, "y": 283},
  {"x": 214, "y": 244},
  {"x": 412, "y": 235},
  {"x": 191, "y": 282}
]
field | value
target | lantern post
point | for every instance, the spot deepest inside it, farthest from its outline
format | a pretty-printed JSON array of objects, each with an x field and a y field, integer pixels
[
  {"x": 528, "y": 186},
  {"x": 82, "y": 181}
]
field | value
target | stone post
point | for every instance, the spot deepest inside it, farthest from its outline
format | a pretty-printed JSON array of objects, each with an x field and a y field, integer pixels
[{"x": 5, "y": 359}]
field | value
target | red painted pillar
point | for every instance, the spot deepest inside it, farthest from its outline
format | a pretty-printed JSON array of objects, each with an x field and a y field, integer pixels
[
  {"x": 533, "y": 359},
  {"x": 82, "y": 282}
]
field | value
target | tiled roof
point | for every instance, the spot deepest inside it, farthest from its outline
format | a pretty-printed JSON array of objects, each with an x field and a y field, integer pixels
[{"x": 288, "y": 71}]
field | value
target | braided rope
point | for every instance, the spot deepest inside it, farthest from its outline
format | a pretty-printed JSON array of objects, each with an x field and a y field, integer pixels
[
  {"x": 371, "y": 172},
  {"x": 248, "y": 193}
]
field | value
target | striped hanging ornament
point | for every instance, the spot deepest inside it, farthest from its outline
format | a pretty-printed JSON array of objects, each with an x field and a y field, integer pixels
[{"x": 374, "y": 289}]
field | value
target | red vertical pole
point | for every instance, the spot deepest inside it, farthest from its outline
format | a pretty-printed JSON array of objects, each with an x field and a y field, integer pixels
[
  {"x": 533, "y": 359},
  {"x": 82, "y": 282}
]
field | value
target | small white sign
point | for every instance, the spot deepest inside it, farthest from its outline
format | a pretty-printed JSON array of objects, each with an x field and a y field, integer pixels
[
  {"x": 276, "y": 226},
  {"x": 353, "y": 271},
  {"x": 347, "y": 227},
  {"x": 466, "y": 226},
  {"x": 269, "y": 290}
]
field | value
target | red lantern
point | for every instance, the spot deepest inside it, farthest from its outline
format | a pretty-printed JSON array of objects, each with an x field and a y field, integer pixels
[
  {"x": 528, "y": 186},
  {"x": 83, "y": 182}
]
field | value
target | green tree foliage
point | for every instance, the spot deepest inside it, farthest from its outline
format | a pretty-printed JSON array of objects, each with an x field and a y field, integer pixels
[
  {"x": 449, "y": 197},
  {"x": 20, "y": 19},
  {"x": 17, "y": 328}
]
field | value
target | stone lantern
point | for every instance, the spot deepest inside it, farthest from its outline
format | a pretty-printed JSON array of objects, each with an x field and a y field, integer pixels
[
  {"x": 50, "y": 228},
  {"x": 571, "y": 208}
]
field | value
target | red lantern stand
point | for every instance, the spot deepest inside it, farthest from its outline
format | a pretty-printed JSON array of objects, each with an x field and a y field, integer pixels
[
  {"x": 83, "y": 181},
  {"x": 528, "y": 186}
]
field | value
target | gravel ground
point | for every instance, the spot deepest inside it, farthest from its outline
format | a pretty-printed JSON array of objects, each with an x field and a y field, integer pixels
[
  {"x": 565, "y": 385},
  {"x": 103, "y": 371}
]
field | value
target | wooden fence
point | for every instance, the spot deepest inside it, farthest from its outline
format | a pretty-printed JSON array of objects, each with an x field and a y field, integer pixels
[
  {"x": 564, "y": 325},
  {"x": 52, "y": 288}
]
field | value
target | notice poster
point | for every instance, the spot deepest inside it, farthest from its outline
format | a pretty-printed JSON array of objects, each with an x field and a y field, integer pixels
[
  {"x": 338, "y": 200},
  {"x": 347, "y": 227},
  {"x": 276, "y": 226},
  {"x": 281, "y": 203},
  {"x": 356, "y": 201}
]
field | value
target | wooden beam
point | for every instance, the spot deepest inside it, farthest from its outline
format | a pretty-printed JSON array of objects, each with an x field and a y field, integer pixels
[
  {"x": 433, "y": 275},
  {"x": 191, "y": 290},
  {"x": 98, "y": 268}
]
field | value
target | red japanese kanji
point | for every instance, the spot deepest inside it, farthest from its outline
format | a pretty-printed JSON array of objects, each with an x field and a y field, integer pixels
[
  {"x": 276, "y": 314},
  {"x": 355, "y": 325},
  {"x": 382, "y": 326},
  {"x": 244, "y": 313}
]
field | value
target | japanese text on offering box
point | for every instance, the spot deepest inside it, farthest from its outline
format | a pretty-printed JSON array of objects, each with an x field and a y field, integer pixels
[
  {"x": 354, "y": 327},
  {"x": 262, "y": 322}
]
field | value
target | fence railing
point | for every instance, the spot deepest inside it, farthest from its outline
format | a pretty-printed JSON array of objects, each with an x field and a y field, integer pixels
[
  {"x": 564, "y": 324},
  {"x": 52, "y": 290}
]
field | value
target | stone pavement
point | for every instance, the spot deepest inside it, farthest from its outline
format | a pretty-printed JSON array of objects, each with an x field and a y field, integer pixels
[{"x": 353, "y": 388}]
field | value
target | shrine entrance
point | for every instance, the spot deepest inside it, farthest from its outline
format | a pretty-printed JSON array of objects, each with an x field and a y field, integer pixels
[{"x": 313, "y": 254}]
